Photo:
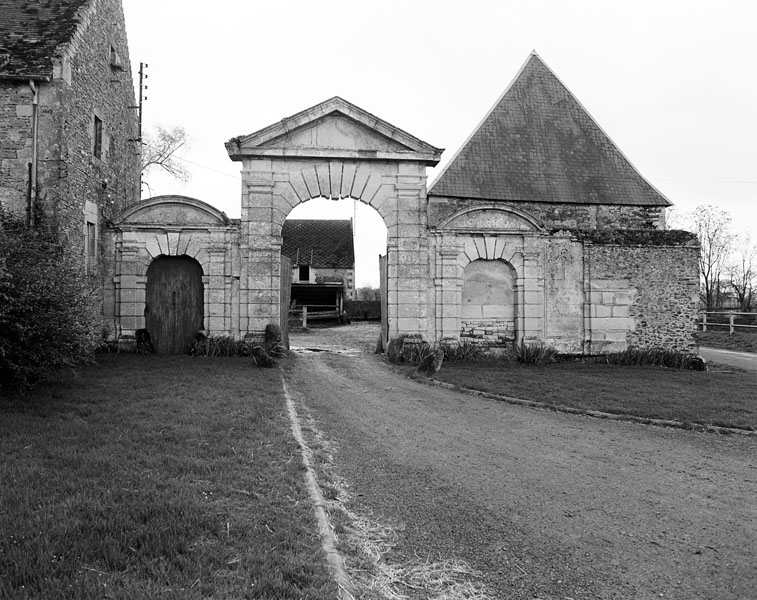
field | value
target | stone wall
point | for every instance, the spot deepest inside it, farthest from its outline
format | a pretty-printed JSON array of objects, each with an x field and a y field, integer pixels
[
  {"x": 576, "y": 290},
  {"x": 87, "y": 82},
  {"x": 561, "y": 216},
  {"x": 15, "y": 145},
  {"x": 93, "y": 82},
  {"x": 643, "y": 296}
]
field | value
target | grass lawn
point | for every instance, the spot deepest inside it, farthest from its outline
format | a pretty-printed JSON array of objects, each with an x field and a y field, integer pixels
[
  {"x": 711, "y": 398},
  {"x": 156, "y": 477}
]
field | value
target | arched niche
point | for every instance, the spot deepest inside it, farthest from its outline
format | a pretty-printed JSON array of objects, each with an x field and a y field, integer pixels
[{"x": 488, "y": 311}]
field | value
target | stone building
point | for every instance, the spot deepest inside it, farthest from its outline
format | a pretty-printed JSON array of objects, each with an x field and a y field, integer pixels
[
  {"x": 68, "y": 125},
  {"x": 323, "y": 261},
  {"x": 541, "y": 229}
]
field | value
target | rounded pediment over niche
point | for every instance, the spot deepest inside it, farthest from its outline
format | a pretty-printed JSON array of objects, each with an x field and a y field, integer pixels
[
  {"x": 172, "y": 210},
  {"x": 490, "y": 218}
]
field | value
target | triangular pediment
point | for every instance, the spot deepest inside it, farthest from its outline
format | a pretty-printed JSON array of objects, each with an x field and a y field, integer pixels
[
  {"x": 338, "y": 132},
  {"x": 334, "y": 128},
  {"x": 539, "y": 144}
]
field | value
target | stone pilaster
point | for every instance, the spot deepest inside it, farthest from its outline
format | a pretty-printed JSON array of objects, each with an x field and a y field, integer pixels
[{"x": 260, "y": 254}]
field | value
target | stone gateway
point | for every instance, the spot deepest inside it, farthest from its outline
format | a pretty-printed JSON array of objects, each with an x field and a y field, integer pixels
[{"x": 538, "y": 230}]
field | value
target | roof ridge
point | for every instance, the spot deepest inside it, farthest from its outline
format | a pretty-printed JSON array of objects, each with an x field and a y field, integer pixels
[
  {"x": 601, "y": 129},
  {"x": 484, "y": 119}
]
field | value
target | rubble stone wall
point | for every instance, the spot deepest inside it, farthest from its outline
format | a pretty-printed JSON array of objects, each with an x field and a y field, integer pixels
[
  {"x": 561, "y": 216},
  {"x": 651, "y": 291}
]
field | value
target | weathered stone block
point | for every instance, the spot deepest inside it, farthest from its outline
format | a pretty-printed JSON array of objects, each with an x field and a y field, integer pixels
[{"x": 601, "y": 311}]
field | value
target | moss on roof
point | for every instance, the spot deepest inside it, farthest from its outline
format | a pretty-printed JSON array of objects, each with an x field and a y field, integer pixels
[
  {"x": 634, "y": 237},
  {"x": 31, "y": 32}
]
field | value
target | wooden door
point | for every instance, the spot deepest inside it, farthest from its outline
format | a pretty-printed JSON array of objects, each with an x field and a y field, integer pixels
[{"x": 174, "y": 303}]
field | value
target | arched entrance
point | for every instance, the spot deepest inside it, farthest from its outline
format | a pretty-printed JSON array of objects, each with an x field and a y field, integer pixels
[
  {"x": 173, "y": 303},
  {"x": 334, "y": 150}
]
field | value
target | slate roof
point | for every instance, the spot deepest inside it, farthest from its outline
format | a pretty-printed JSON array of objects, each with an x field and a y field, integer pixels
[
  {"x": 31, "y": 31},
  {"x": 538, "y": 144},
  {"x": 319, "y": 243}
]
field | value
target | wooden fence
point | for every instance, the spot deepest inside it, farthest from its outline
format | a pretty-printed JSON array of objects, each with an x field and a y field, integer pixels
[
  {"x": 732, "y": 320},
  {"x": 314, "y": 312}
]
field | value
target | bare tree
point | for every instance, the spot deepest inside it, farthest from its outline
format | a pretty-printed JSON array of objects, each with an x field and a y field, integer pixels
[
  {"x": 742, "y": 271},
  {"x": 159, "y": 150},
  {"x": 713, "y": 227}
]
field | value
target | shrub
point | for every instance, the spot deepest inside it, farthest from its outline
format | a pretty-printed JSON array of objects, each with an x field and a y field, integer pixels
[
  {"x": 465, "y": 350},
  {"x": 49, "y": 316},
  {"x": 534, "y": 354},
  {"x": 273, "y": 340},
  {"x": 261, "y": 352},
  {"x": 408, "y": 349},
  {"x": 218, "y": 346},
  {"x": 658, "y": 357},
  {"x": 394, "y": 349},
  {"x": 431, "y": 361}
]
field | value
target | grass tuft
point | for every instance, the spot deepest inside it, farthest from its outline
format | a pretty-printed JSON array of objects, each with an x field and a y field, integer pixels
[
  {"x": 536, "y": 355},
  {"x": 653, "y": 357}
]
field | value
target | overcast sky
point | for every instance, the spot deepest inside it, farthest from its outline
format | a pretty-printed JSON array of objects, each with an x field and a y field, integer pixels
[{"x": 672, "y": 82}]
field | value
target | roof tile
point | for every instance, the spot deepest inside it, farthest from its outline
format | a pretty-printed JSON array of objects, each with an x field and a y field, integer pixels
[
  {"x": 538, "y": 144},
  {"x": 31, "y": 32},
  {"x": 319, "y": 243}
]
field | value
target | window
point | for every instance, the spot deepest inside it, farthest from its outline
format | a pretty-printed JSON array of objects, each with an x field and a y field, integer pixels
[
  {"x": 97, "y": 149},
  {"x": 115, "y": 60},
  {"x": 304, "y": 273},
  {"x": 90, "y": 246}
]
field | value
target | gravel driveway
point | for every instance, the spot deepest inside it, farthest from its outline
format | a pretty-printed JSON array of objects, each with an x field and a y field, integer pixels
[
  {"x": 543, "y": 504},
  {"x": 742, "y": 360}
]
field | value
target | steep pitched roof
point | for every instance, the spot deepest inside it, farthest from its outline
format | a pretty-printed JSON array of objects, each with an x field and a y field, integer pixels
[
  {"x": 31, "y": 32},
  {"x": 538, "y": 144},
  {"x": 319, "y": 243}
]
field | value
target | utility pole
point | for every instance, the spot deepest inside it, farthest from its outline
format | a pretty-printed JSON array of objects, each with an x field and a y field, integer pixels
[{"x": 142, "y": 98}]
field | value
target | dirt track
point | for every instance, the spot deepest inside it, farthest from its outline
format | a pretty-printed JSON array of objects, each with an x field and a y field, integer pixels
[{"x": 545, "y": 505}]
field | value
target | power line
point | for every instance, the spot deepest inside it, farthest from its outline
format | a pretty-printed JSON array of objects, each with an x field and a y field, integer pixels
[
  {"x": 186, "y": 160},
  {"x": 706, "y": 181}
]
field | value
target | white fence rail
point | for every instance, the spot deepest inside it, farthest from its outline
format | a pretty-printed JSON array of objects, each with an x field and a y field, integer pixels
[{"x": 729, "y": 319}]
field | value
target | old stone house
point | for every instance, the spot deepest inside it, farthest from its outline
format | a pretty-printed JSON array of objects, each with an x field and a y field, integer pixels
[
  {"x": 68, "y": 126},
  {"x": 323, "y": 261}
]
